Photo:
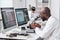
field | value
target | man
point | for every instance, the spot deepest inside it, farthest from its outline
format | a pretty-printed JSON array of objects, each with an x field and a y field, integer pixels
[
  {"x": 33, "y": 14},
  {"x": 49, "y": 27}
]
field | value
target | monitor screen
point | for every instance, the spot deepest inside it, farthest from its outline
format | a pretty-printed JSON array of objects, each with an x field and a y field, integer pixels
[
  {"x": 8, "y": 17},
  {"x": 22, "y": 16}
]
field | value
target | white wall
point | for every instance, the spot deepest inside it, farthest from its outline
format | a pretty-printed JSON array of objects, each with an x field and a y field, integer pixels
[
  {"x": 6, "y": 3},
  {"x": 55, "y": 8},
  {"x": 59, "y": 10},
  {"x": 12, "y": 3},
  {"x": 19, "y": 3},
  {"x": 0, "y": 14},
  {"x": 32, "y": 2}
]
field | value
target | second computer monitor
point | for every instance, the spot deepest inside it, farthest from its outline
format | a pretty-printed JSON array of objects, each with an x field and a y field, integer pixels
[{"x": 22, "y": 16}]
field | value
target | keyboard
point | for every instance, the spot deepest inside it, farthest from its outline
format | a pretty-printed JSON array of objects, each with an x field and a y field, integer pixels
[
  {"x": 15, "y": 34},
  {"x": 30, "y": 31}
]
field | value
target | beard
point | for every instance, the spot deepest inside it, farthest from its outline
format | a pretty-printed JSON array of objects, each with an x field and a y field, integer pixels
[{"x": 43, "y": 18}]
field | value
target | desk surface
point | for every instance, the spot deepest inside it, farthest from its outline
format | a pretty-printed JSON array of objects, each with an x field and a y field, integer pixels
[
  {"x": 31, "y": 36},
  {"x": 7, "y": 37}
]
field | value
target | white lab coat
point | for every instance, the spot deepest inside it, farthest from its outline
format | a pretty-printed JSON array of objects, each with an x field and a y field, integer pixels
[
  {"x": 48, "y": 30},
  {"x": 56, "y": 34},
  {"x": 42, "y": 23},
  {"x": 32, "y": 16}
]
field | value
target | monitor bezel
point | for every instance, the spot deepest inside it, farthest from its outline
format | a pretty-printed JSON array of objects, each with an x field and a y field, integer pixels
[
  {"x": 16, "y": 16},
  {"x": 12, "y": 27}
]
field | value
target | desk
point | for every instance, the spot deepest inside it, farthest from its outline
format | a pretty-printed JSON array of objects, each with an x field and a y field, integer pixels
[{"x": 32, "y": 36}]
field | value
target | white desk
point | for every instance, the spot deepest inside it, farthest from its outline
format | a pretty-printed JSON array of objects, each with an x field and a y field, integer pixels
[{"x": 32, "y": 36}]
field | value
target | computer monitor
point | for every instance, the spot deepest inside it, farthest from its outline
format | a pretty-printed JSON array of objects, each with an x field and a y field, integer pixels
[
  {"x": 22, "y": 16},
  {"x": 8, "y": 18}
]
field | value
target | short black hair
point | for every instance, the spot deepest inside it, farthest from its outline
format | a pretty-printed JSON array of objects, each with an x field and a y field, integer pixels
[
  {"x": 33, "y": 8},
  {"x": 47, "y": 11}
]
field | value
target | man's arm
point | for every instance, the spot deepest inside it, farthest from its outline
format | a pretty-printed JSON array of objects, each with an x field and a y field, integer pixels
[
  {"x": 50, "y": 26},
  {"x": 34, "y": 25}
]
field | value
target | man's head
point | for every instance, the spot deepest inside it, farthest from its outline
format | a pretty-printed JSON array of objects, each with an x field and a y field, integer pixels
[
  {"x": 45, "y": 13},
  {"x": 33, "y": 9}
]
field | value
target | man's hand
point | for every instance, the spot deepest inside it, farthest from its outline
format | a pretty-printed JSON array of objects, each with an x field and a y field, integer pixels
[
  {"x": 34, "y": 25},
  {"x": 37, "y": 25}
]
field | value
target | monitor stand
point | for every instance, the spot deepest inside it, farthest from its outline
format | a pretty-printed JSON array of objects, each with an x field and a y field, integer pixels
[
  {"x": 30, "y": 30},
  {"x": 26, "y": 29}
]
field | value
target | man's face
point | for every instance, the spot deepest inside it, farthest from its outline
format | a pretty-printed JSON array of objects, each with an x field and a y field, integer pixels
[{"x": 43, "y": 15}]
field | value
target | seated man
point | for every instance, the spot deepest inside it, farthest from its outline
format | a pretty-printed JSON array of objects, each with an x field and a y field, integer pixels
[{"x": 49, "y": 27}]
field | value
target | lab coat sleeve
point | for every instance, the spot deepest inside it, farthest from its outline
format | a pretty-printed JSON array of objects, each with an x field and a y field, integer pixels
[{"x": 49, "y": 28}]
